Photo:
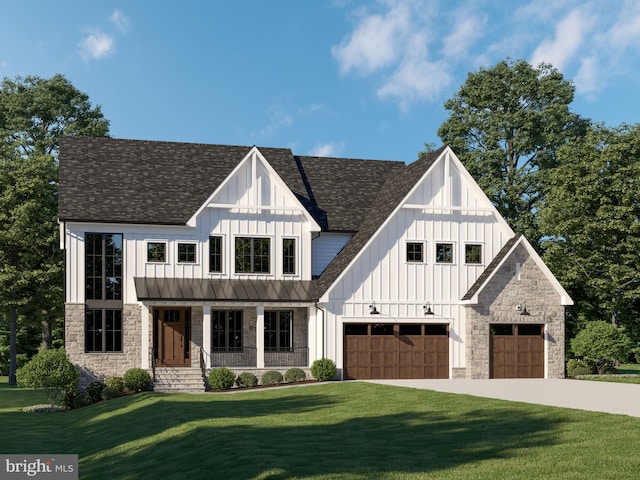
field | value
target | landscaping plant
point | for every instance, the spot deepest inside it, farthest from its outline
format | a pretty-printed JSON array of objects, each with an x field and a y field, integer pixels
[
  {"x": 136, "y": 379},
  {"x": 324, "y": 369},
  {"x": 221, "y": 378}
]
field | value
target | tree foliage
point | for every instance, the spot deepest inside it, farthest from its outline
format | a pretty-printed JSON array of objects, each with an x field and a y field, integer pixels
[
  {"x": 34, "y": 114},
  {"x": 591, "y": 218},
  {"x": 505, "y": 124},
  {"x": 51, "y": 370},
  {"x": 601, "y": 343}
]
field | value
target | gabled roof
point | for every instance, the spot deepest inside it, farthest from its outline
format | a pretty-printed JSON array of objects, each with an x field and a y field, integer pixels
[
  {"x": 471, "y": 297},
  {"x": 395, "y": 189},
  {"x": 106, "y": 180}
]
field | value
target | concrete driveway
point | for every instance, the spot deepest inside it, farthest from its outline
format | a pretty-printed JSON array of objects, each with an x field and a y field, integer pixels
[{"x": 619, "y": 398}]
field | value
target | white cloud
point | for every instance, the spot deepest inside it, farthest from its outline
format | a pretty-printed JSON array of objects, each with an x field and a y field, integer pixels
[
  {"x": 375, "y": 42},
  {"x": 587, "y": 80},
  {"x": 467, "y": 29},
  {"x": 569, "y": 35},
  {"x": 97, "y": 45},
  {"x": 278, "y": 118},
  {"x": 120, "y": 21},
  {"x": 326, "y": 149}
]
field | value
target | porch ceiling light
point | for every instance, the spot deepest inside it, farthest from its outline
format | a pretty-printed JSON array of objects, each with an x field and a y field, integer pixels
[
  {"x": 427, "y": 309},
  {"x": 373, "y": 310}
]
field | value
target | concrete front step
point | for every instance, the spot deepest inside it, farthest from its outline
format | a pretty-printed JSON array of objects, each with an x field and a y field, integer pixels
[{"x": 178, "y": 380}]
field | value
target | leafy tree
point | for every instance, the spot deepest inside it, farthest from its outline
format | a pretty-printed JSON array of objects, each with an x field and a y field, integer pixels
[
  {"x": 591, "y": 219},
  {"x": 34, "y": 114},
  {"x": 51, "y": 370},
  {"x": 505, "y": 123},
  {"x": 601, "y": 343}
]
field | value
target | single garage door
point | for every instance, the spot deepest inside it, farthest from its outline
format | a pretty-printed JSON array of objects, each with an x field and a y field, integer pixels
[
  {"x": 386, "y": 351},
  {"x": 517, "y": 351}
]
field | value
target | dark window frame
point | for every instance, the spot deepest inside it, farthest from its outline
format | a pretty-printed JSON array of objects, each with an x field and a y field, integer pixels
[
  {"x": 103, "y": 330},
  {"x": 215, "y": 254},
  {"x": 469, "y": 256},
  {"x": 189, "y": 257},
  {"x": 413, "y": 253},
  {"x": 444, "y": 253},
  {"x": 250, "y": 256},
  {"x": 151, "y": 252},
  {"x": 289, "y": 256},
  {"x": 278, "y": 330},
  {"x": 227, "y": 331}
]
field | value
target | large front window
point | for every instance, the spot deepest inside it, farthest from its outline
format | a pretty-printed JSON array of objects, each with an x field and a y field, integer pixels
[
  {"x": 103, "y": 292},
  {"x": 226, "y": 330},
  {"x": 278, "y": 331},
  {"x": 252, "y": 255}
]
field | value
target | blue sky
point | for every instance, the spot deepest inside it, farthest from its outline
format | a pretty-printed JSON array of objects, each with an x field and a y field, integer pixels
[{"x": 362, "y": 79}]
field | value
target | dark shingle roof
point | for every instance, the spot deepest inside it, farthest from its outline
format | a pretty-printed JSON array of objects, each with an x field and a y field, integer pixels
[
  {"x": 147, "y": 182},
  {"x": 395, "y": 189},
  {"x": 493, "y": 265}
]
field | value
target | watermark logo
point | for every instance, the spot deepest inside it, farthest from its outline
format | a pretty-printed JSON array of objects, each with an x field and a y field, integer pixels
[{"x": 49, "y": 467}]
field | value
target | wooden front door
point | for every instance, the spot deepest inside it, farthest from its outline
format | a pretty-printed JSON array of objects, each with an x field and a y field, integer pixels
[{"x": 172, "y": 337}]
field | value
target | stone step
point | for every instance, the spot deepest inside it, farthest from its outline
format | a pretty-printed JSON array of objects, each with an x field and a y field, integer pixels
[{"x": 178, "y": 380}]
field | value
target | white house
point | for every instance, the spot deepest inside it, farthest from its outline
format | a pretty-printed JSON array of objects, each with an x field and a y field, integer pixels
[{"x": 183, "y": 257}]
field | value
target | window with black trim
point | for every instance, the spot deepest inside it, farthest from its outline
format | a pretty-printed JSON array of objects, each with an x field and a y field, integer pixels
[
  {"x": 444, "y": 252},
  {"x": 157, "y": 252},
  {"x": 289, "y": 256},
  {"x": 215, "y": 254},
  {"x": 472, "y": 253},
  {"x": 186, "y": 253},
  {"x": 103, "y": 330},
  {"x": 415, "y": 252},
  {"x": 278, "y": 331},
  {"x": 226, "y": 330},
  {"x": 252, "y": 255}
]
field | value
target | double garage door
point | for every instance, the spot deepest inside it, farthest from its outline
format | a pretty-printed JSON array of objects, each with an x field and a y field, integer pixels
[
  {"x": 517, "y": 351},
  {"x": 387, "y": 351}
]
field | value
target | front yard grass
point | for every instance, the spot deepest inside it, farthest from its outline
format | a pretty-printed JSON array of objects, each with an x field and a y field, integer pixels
[{"x": 342, "y": 430}]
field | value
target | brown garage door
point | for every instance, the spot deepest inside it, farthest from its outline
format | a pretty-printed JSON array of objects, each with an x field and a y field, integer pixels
[
  {"x": 517, "y": 351},
  {"x": 386, "y": 351}
]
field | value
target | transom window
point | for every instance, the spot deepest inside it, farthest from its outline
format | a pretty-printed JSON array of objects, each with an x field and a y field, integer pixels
[
  {"x": 215, "y": 254},
  {"x": 415, "y": 252},
  {"x": 252, "y": 255},
  {"x": 157, "y": 252},
  {"x": 186, "y": 253},
  {"x": 278, "y": 331},
  {"x": 444, "y": 252},
  {"x": 226, "y": 330},
  {"x": 473, "y": 253},
  {"x": 289, "y": 256}
]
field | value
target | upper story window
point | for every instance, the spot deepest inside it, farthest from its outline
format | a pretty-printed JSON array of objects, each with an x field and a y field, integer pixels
[
  {"x": 103, "y": 266},
  {"x": 157, "y": 252},
  {"x": 252, "y": 255},
  {"x": 444, "y": 252},
  {"x": 415, "y": 252},
  {"x": 215, "y": 254},
  {"x": 289, "y": 256},
  {"x": 473, "y": 254},
  {"x": 186, "y": 253}
]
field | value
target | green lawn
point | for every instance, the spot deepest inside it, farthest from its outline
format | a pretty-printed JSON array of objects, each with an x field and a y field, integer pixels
[{"x": 341, "y": 430}]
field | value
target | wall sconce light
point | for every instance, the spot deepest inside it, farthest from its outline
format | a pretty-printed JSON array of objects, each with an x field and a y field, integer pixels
[
  {"x": 373, "y": 310},
  {"x": 524, "y": 311},
  {"x": 427, "y": 309}
]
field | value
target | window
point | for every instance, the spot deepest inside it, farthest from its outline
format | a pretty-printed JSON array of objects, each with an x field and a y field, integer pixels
[
  {"x": 444, "y": 253},
  {"x": 157, "y": 252},
  {"x": 252, "y": 255},
  {"x": 103, "y": 331},
  {"x": 226, "y": 330},
  {"x": 103, "y": 292},
  {"x": 415, "y": 252},
  {"x": 278, "y": 331},
  {"x": 215, "y": 254},
  {"x": 186, "y": 253},
  {"x": 410, "y": 329},
  {"x": 289, "y": 256},
  {"x": 473, "y": 253},
  {"x": 382, "y": 329}
]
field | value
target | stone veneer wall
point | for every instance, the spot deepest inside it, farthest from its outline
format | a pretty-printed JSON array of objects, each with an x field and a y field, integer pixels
[
  {"x": 497, "y": 304},
  {"x": 98, "y": 366}
]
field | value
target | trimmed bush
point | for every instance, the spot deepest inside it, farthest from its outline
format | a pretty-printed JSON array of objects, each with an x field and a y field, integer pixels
[
  {"x": 272, "y": 377},
  {"x": 94, "y": 390},
  {"x": 68, "y": 397},
  {"x": 115, "y": 382},
  {"x": 324, "y": 369},
  {"x": 81, "y": 400},
  {"x": 221, "y": 378},
  {"x": 295, "y": 375},
  {"x": 579, "y": 367},
  {"x": 109, "y": 393},
  {"x": 247, "y": 379},
  {"x": 136, "y": 379}
]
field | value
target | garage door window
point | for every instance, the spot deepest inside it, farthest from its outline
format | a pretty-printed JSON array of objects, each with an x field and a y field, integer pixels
[
  {"x": 356, "y": 329},
  {"x": 435, "y": 329},
  {"x": 382, "y": 329},
  {"x": 410, "y": 329}
]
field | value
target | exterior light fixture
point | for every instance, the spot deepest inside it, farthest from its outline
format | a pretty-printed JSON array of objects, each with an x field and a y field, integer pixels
[
  {"x": 373, "y": 310},
  {"x": 427, "y": 309},
  {"x": 524, "y": 311}
]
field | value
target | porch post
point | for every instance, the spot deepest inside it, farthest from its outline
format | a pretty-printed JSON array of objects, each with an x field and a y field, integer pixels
[
  {"x": 206, "y": 335},
  {"x": 260, "y": 336},
  {"x": 144, "y": 327}
]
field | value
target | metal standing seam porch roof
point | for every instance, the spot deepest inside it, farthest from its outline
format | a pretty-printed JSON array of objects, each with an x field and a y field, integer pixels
[{"x": 205, "y": 289}]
